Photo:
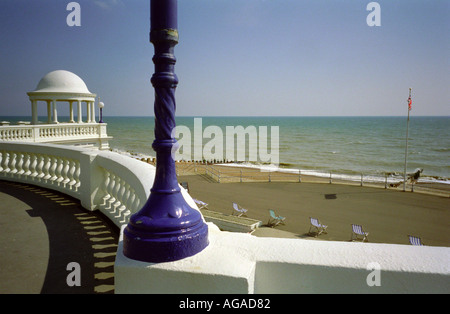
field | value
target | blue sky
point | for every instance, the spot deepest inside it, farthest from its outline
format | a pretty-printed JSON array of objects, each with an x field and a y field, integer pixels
[{"x": 237, "y": 57}]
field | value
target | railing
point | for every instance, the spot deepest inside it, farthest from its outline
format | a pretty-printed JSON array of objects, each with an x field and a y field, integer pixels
[
  {"x": 56, "y": 170},
  {"x": 114, "y": 184},
  {"x": 54, "y": 133},
  {"x": 124, "y": 185},
  {"x": 228, "y": 174},
  {"x": 68, "y": 130}
]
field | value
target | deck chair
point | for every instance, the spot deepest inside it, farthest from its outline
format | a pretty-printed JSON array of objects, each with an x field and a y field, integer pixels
[
  {"x": 320, "y": 228},
  {"x": 185, "y": 185},
  {"x": 275, "y": 220},
  {"x": 358, "y": 232},
  {"x": 239, "y": 211},
  {"x": 200, "y": 204},
  {"x": 415, "y": 240}
]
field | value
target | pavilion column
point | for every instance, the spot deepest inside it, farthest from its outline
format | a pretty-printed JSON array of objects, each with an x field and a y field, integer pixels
[
  {"x": 34, "y": 116},
  {"x": 79, "y": 111},
  {"x": 49, "y": 112},
  {"x": 166, "y": 228},
  {"x": 88, "y": 112},
  {"x": 55, "y": 112},
  {"x": 93, "y": 111},
  {"x": 71, "y": 111}
]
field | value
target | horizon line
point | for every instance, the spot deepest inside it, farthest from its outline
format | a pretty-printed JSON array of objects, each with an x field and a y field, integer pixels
[{"x": 248, "y": 116}]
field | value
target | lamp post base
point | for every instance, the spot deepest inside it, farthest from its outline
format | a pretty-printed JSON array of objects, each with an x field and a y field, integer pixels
[{"x": 174, "y": 236}]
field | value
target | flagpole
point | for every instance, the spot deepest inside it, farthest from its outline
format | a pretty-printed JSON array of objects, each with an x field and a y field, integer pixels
[{"x": 406, "y": 148}]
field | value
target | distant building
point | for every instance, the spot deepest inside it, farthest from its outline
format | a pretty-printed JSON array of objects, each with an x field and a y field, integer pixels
[{"x": 53, "y": 89}]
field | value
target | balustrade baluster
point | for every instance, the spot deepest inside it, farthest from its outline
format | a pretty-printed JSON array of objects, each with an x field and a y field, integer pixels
[
  {"x": 71, "y": 174},
  {"x": 104, "y": 187},
  {"x": 33, "y": 164},
  {"x": 127, "y": 197},
  {"x": 77, "y": 175},
  {"x": 122, "y": 195},
  {"x": 65, "y": 172},
  {"x": 12, "y": 164},
  {"x": 39, "y": 173},
  {"x": 5, "y": 162},
  {"x": 27, "y": 165},
  {"x": 22, "y": 164},
  {"x": 131, "y": 201},
  {"x": 46, "y": 169},
  {"x": 117, "y": 186},
  {"x": 52, "y": 169},
  {"x": 136, "y": 204},
  {"x": 58, "y": 171},
  {"x": 2, "y": 157},
  {"x": 110, "y": 189}
]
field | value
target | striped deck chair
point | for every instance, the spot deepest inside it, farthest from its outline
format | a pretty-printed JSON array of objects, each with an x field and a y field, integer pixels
[
  {"x": 185, "y": 185},
  {"x": 320, "y": 228},
  {"x": 200, "y": 204},
  {"x": 239, "y": 211},
  {"x": 415, "y": 240},
  {"x": 357, "y": 231},
  {"x": 275, "y": 220}
]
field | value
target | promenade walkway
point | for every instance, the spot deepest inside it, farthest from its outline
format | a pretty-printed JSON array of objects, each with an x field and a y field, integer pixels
[
  {"x": 41, "y": 232},
  {"x": 388, "y": 215}
]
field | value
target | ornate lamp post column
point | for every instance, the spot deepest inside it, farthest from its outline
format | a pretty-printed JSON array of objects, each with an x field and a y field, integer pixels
[{"x": 166, "y": 228}]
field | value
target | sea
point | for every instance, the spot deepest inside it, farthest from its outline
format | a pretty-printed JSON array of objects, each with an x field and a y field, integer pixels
[
  {"x": 317, "y": 145},
  {"x": 342, "y": 145}
]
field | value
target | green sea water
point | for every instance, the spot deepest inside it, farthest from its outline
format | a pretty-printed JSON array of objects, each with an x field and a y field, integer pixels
[
  {"x": 338, "y": 144},
  {"x": 350, "y": 145}
]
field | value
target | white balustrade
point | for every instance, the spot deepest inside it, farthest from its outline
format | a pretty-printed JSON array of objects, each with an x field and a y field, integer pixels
[
  {"x": 56, "y": 133},
  {"x": 112, "y": 183},
  {"x": 50, "y": 171}
]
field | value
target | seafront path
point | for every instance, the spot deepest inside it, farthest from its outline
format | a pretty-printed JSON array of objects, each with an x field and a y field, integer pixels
[
  {"x": 42, "y": 232},
  {"x": 389, "y": 215}
]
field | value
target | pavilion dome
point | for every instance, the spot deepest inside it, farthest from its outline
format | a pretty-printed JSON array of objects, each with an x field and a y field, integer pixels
[{"x": 61, "y": 81}]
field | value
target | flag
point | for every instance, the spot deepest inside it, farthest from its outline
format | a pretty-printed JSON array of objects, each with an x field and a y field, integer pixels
[{"x": 409, "y": 103}]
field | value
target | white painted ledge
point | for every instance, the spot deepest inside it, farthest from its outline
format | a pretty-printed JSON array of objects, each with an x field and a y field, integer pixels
[
  {"x": 210, "y": 271},
  {"x": 242, "y": 263}
]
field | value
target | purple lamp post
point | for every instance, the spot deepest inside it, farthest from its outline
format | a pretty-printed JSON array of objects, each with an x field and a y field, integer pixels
[{"x": 166, "y": 228}]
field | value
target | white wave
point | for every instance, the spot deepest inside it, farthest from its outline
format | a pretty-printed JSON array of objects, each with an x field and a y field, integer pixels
[
  {"x": 132, "y": 154},
  {"x": 372, "y": 178}
]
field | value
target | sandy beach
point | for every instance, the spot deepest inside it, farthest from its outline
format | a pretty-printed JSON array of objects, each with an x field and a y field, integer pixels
[{"x": 388, "y": 215}]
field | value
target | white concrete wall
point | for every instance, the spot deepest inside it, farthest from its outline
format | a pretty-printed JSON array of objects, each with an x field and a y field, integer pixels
[{"x": 242, "y": 263}]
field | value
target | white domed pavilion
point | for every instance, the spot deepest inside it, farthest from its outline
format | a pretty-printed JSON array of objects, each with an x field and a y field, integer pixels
[{"x": 62, "y": 86}]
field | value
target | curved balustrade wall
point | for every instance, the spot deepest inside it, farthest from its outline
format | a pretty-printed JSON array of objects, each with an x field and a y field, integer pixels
[
  {"x": 114, "y": 184},
  {"x": 86, "y": 133}
]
